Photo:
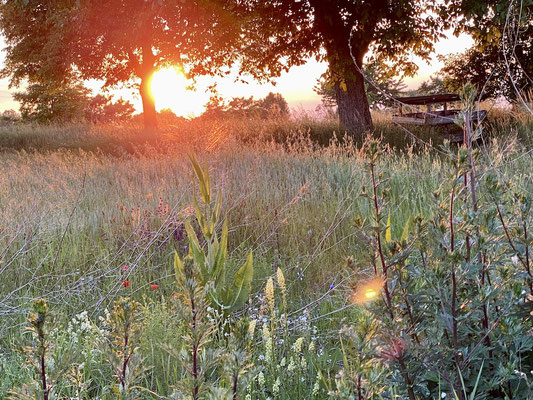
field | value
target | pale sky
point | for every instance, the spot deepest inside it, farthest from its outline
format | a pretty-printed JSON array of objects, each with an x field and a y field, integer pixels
[{"x": 296, "y": 86}]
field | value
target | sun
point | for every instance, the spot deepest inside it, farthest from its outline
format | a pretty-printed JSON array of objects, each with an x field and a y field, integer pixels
[{"x": 169, "y": 88}]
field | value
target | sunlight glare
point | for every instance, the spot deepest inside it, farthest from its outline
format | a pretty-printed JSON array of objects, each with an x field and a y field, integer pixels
[
  {"x": 368, "y": 290},
  {"x": 169, "y": 88}
]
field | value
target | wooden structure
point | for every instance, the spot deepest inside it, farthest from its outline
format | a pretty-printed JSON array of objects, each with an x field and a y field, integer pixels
[{"x": 431, "y": 116}]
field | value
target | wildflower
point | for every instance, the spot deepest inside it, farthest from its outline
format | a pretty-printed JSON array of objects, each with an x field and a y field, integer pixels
[
  {"x": 124, "y": 267},
  {"x": 281, "y": 283},
  {"x": 266, "y": 332},
  {"x": 292, "y": 365},
  {"x": 331, "y": 287},
  {"x": 275, "y": 387},
  {"x": 269, "y": 294},
  {"x": 514, "y": 259},
  {"x": 311, "y": 347},
  {"x": 154, "y": 286},
  {"x": 251, "y": 327},
  {"x": 298, "y": 345},
  {"x": 261, "y": 380},
  {"x": 269, "y": 349},
  {"x": 126, "y": 283},
  {"x": 316, "y": 388},
  {"x": 261, "y": 357}
]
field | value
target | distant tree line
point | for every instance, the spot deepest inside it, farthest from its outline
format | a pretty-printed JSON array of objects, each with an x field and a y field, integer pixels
[
  {"x": 52, "y": 103},
  {"x": 272, "y": 106}
]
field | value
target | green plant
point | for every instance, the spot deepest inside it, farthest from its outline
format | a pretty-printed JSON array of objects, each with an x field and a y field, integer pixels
[
  {"x": 125, "y": 328},
  {"x": 212, "y": 261}
]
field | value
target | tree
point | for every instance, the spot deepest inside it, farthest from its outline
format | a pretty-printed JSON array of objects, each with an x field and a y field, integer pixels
[
  {"x": 433, "y": 85},
  {"x": 501, "y": 60},
  {"x": 272, "y": 106},
  {"x": 284, "y": 33},
  {"x": 379, "y": 88},
  {"x": 495, "y": 70},
  {"x": 102, "y": 109},
  {"x": 119, "y": 41},
  {"x": 49, "y": 103}
]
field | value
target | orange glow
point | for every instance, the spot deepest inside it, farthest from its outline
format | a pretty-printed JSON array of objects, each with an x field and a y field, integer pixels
[
  {"x": 368, "y": 291},
  {"x": 169, "y": 88}
]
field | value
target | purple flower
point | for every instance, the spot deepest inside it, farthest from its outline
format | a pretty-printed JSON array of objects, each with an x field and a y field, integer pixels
[{"x": 331, "y": 287}]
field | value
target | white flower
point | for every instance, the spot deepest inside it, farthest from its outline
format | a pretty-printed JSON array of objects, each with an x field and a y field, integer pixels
[
  {"x": 443, "y": 395},
  {"x": 275, "y": 387},
  {"x": 515, "y": 260}
]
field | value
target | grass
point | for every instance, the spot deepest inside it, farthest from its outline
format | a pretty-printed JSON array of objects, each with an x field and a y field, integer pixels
[{"x": 78, "y": 203}]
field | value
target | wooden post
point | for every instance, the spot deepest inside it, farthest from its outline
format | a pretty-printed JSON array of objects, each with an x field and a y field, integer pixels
[
  {"x": 426, "y": 115},
  {"x": 445, "y": 109}
]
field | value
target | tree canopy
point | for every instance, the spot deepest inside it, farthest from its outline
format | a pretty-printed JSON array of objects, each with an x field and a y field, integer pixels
[
  {"x": 118, "y": 41},
  {"x": 286, "y": 32},
  {"x": 501, "y": 61},
  {"x": 379, "y": 87}
]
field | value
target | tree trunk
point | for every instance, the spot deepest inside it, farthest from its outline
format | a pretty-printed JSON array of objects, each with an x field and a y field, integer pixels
[
  {"x": 149, "y": 112},
  {"x": 354, "y": 111}
]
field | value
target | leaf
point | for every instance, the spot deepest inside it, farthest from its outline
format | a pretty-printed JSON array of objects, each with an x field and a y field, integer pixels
[
  {"x": 405, "y": 233},
  {"x": 196, "y": 251},
  {"x": 473, "y": 394},
  {"x": 220, "y": 259},
  {"x": 203, "y": 179},
  {"x": 242, "y": 284},
  {"x": 388, "y": 235},
  {"x": 200, "y": 217},
  {"x": 343, "y": 86},
  {"x": 179, "y": 269}
]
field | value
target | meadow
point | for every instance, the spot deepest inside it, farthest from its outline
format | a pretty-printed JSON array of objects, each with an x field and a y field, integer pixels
[{"x": 374, "y": 276}]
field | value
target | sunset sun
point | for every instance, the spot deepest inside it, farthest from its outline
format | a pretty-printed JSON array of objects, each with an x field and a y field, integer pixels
[{"x": 169, "y": 88}]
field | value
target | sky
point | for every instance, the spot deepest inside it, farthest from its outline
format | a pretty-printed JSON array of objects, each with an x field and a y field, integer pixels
[{"x": 296, "y": 85}]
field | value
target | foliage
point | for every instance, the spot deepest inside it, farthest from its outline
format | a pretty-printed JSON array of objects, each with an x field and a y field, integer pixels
[
  {"x": 285, "y": 33},
  {"x": 500, "y": 61},
  {"x": 379, "y": 87},
  {"x": 102, "y": 109},
  {"x": 486, "y": 68},
  {"x": 272, "y": 106},
  {"x": 117, "y": 41},
  {"x": 211, "y": 262},
  {"x": 50, "y": 103},
  {"x": 434, "y": 84},
  {"x": 311, "y": 328}
]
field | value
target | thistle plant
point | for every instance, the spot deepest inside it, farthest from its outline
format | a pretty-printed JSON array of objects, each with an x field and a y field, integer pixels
[
  {"x": 37, "y": 356},
  {"x": 121, "y": 342}
]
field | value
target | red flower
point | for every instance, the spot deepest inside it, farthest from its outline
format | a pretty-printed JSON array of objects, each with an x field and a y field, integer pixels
[
  {"x": 154, "y": 286},
  {"x": 126, "y": 283},
  {"x": 124, "y": 267}
]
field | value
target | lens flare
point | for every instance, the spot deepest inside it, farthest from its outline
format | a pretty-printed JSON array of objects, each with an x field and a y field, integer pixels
[{"x": 368, "y": 291}]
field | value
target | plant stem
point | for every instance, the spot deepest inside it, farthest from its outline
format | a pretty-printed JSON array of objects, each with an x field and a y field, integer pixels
[{"x": 378, "y": 239}]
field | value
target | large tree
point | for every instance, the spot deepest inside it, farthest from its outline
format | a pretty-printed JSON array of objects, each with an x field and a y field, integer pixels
[
  {"x": 342, "y": 32},
  {"x": 118, "y": 41},
  {"x": 501, "y": 60},
  {"x": 379, "y": 87}
]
